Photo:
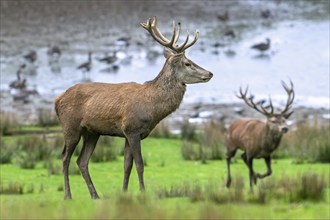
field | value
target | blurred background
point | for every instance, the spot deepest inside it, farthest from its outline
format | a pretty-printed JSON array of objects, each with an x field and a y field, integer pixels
[{"x": 45, "y": 47}]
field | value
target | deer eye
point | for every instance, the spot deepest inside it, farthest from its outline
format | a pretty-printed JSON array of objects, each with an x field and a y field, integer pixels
[{"x": 187, "y": 64}]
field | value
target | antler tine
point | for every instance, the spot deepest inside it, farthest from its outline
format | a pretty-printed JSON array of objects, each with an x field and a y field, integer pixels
[
  {"x": 291, "y": 95},
  {"x": 179, "y": 32},
  {"x": 271, "y": 107},
  {"x": 152, "y": 27},
  {"x": 165, "y": 42},
  {"x": 192, "y": 42},
  {"x": 249, "y": 101}
]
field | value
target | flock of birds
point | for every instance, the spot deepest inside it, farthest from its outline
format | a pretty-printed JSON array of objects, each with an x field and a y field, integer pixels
[
  {"x": 266, "y": 15},
  {"x": 22, "y": 92}
]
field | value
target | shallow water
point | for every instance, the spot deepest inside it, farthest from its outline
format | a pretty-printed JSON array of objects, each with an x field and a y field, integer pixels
[{"x": 299, "y": 52}]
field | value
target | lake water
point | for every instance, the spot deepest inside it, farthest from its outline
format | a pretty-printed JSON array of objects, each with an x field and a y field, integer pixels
[{"x": 299, "y": 52}]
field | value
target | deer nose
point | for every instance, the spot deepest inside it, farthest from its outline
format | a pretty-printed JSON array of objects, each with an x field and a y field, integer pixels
[
  {"x": 285, "y": 129},
  {"x": 210, "y": 74}
]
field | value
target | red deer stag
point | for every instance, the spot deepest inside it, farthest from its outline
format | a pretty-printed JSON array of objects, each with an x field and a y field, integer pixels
[
  {"x": 129, "y": 110},
  {"x": 256, "y": 138}
]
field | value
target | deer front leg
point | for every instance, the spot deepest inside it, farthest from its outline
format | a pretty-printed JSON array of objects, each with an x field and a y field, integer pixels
[
  {"x": 128, "y": 163},
  {"x": 230, "y": 154},
  {"x": 253, "y": 178},
  {"x": 229, "y": 176},
  {"x": 269, "y": 169},
  {"x": 135, "y": 148}
]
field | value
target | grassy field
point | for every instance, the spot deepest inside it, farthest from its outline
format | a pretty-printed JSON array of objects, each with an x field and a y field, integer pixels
[{"x": 175, "y": 189}]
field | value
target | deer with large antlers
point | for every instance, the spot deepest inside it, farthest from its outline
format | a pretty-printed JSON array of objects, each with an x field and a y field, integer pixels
[
  {"x": 256, "y": 138},
  {"x": 128, "y": 110}
]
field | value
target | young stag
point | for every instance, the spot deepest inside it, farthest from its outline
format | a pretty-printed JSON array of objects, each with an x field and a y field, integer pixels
[
  {"x": 129, "y": 110},
  {"x": 256, "y": 138}
]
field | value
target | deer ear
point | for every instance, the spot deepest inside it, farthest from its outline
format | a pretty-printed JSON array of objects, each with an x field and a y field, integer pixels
[
  {"x": 177, "y": 57},
  {"x": 167, "y": 52}
]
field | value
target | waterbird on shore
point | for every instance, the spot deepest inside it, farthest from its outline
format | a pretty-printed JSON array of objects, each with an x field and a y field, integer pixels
[
  {"x": 123, "y": 41},
  {"x": 262, "y": 46},
  {"x": 54, "y": 51},
  {"x": 31, "y": 56},
  {"x": 266, "y": 14},
  {"x": 223, "y": 17},
  {"x": 19, "y": 83},
  {"x": 110, "y": 59},
  {"x": 86, "y": 66},
  {"x": 230, "y": 33}
]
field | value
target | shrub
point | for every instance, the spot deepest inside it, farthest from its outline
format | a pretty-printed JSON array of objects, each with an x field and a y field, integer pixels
[
  {"x": 193, "y": 191},
  {"x": 162, "y": 130},
  {"x": 7, "y": 152},
  {"x": 188, "y": 131},
  {"x": 11, "y": 188},
  {"x": 47, "y": 117},
  {"x": 35, "y": 145},
  {"x": 53, "y": 167},
  {"x": 212, "y": 140},
  {"x": 209, "y": 146},
  {"x": 308, "y": 143},
  {"x": 312, "y": 187},
  {"x": 308, "y": 186},
  {"x": 31, "y": 149},
  {"x": 8, "y": 122},
  {"x": 233, "y": 194},
  {"x": 191, "y": 151},
  {"x": 106, "y": 151}
]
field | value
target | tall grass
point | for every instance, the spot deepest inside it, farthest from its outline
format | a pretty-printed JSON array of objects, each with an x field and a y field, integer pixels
[
  {"x": 305, "y": 187},
  {"x": 304, "y": 142},
  {"x": 162, "y": 130},
  {"x": 307, "y": 143},
  {"x": 26, "y": 151},
  {"x": 47, "y": 117},
  {"x": 208, "y": 144},
  {"x": 106, "y": 150},
  {"x": 7, "y": 122}
]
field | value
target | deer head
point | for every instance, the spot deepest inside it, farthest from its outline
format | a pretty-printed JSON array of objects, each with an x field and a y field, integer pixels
[
  {"x": 275, "y": 120},
  {"x": 184, "y": 69}
]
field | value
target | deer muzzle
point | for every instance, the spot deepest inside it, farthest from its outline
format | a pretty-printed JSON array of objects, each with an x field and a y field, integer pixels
[
  {"x": 285, "y": 129},
  {"x": 207, "y": 77}
]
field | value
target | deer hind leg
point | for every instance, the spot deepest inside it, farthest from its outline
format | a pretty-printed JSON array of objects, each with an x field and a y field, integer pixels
[
  {"x": 128, "y": 163},
  {"x": 230, "y": 154},
  {"x": 134, "y": 142},
  {"x": 269, "y": 169},
  {"x": 69, "y": 147},
  {"x": 89, "y": 144}
]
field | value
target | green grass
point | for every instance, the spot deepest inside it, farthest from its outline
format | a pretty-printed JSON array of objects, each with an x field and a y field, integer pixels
[{"x": 165, "y": 170}]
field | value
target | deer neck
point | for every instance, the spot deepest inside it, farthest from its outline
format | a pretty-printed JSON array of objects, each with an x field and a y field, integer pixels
[
  {"x": 274, "y": 136},
  {"x": 165, "y": 92}
]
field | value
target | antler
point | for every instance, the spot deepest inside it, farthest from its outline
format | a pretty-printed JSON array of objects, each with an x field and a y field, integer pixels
[
  {"x": 290, "y": 99},
  {"x": 259, "y": 107},
  {"x": 151, "y": 27}
]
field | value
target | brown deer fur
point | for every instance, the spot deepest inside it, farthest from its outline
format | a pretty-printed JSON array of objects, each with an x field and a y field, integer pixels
[
  {"x": 257, "y": 139},
  {"x": 128, "y": 110}
]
